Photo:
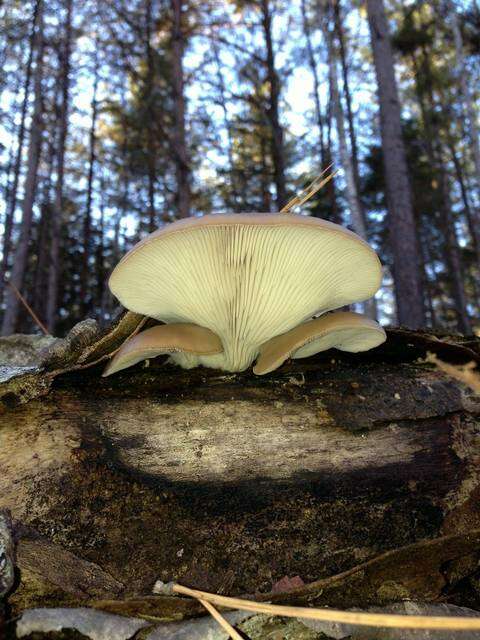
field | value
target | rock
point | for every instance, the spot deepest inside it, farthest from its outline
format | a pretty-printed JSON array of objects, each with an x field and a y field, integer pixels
[{"x": 95, "y": 625}]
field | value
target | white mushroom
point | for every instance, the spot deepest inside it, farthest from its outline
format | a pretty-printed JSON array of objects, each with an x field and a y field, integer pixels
[
  {"x": 342, "y": 330},
  {"x": 245, "y": 277},
  {"x": 187, "y": 339}
]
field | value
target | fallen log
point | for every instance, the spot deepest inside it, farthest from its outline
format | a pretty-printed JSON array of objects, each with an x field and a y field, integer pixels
[{"x": 229, "y": 482}]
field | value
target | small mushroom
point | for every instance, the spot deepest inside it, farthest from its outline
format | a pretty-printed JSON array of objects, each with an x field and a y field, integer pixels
[
  {"x": 245, "y": 277},
  {"x": 343, "y": 330},
  {"x": 188, "y": 339}
]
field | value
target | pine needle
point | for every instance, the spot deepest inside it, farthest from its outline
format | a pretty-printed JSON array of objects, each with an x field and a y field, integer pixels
[
  {"x": 379, "y": 620},
  {"x": 221, "y": 620},
  {"x": 32, "y": 313},
  {"x": 309, "y": 191}
]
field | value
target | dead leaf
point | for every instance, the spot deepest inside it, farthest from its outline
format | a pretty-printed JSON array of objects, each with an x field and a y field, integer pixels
[{"x": 287, "y": 584}]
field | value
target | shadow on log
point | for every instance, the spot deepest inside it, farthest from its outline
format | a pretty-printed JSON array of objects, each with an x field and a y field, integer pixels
[{"x": 229, "y": 482}]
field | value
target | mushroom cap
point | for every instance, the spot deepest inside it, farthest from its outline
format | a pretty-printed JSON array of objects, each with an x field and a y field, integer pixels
[
  {"x": 343, "y": 330},
  {"x": 186, "y": 339},
  {"x": 246, "y": 277}
]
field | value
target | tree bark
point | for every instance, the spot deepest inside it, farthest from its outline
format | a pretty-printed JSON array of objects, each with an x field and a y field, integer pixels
[
  {"x": 278, "y": 150},
  {"x": 230, "y": 482},
  {"x": 17, "y": 275},
  {"x": 403, "y": 239},
  {"x": 182, "y": 160},
  {"x": 57, "y": 212}
]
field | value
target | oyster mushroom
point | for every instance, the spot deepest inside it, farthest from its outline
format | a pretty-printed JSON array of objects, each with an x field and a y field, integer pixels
[
  {"x": 246, "y": 278},
  {"x": 344, "y": 330},
  {"x": 188, "y": 339}
]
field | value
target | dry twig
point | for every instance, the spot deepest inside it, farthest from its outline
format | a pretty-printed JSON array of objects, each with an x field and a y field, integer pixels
[
  {"x": 389, "y": 620},
  {"x": 36, "y": 319},
  {"x": 221, "y": 620}
]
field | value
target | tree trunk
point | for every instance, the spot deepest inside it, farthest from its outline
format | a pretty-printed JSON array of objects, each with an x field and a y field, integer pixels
[
  {"x": 11, "y": 202},
  {"x": 229, "y": 482},
  {"x": 85, "y": 293},
  {"x": 151, "y": 116},
  {"x": 348, "y": 98},
  {"x": 470, "y": 122},
  {"x": 39, "y": 285},
  {"x": 123, "y": 206},
  {"x": 39, "y": 288},
  {"x": 356, "y": 216},
  {"x": 17, "y": 275},
  {"x": 57, "y": 212},
  {"x": 278, "y": 150},
  {"x": 352, "y": 194},
  {"x": 453, "y": 259},
  {"x": 231, "y": 190},
  {"x": 264, "y": 177},
  {"x": 182, "y": 160},
  {"x": 125, "y": 184},
  {"x": 339, "y": 31},
  {"x": 426, "y": 285},
  {"x": 403, "y": 239},
  {"x": 473, "y": 228},
  {"x": 336, "y": 213},
  {"x": 325, "y": 153},
  {"x": 316, "y": 86},
  {"x": 8, "y": 216},
  {"x": 100, "y": 256},
  {"x": 471, "y": 217},
  {"x": 462, "y": 75}
]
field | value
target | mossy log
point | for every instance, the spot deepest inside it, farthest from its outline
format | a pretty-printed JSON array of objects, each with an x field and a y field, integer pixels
[{"x": 360, "y": 467}]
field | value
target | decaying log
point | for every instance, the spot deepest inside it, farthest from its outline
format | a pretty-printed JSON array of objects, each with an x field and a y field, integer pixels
[{"x": 228, "y": 482}]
